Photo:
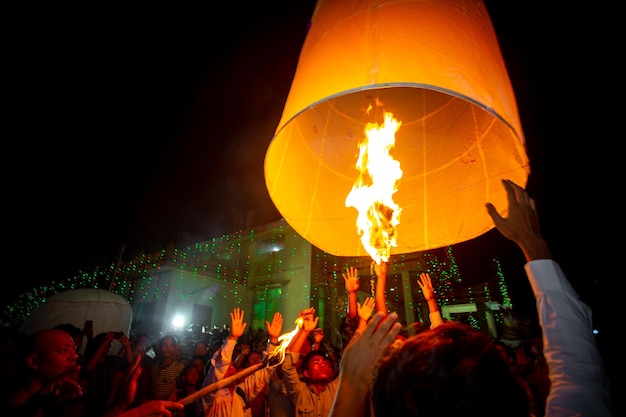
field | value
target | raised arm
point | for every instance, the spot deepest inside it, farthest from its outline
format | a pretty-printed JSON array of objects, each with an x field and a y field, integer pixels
[
  {"x": 274, "y": 328},
  {"x": 318, "y": 338},
  {"x": 237, "y": 325},
  {"x": 381, "y": 285},
  {"x": 222, "y": 358},
  {"x": 351, "y": 281},
  {"x": 357, "y": 364},
  {"x": 365, "y": 312},
  {"x": 309, "y": 323},
  {"x": 426, "y": 286},
  {"x": 522, "y": 224},
  {"x": 578, "y": 382}
]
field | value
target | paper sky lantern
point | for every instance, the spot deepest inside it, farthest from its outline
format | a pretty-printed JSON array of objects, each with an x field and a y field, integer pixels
[
  {"x": 110, "y": 312},
  {"x": 437, "y": 67}
]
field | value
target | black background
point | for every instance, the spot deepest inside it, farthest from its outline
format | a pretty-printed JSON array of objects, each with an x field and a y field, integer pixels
[{"x": 138, "y": 126}]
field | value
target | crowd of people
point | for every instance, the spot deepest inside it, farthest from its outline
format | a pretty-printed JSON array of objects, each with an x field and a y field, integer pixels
[{"x": 447, "y": 368}]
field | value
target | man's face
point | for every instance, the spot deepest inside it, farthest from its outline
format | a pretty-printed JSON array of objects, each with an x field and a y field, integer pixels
[
  {"x": 254, "y": 358},
  {"x": 319, "y": 370},
  {"x": 55, "y": 353}
]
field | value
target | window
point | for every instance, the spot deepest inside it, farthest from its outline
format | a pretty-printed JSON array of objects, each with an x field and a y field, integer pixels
[
  {"x": 273, "y": 244},
  {"x": 266, "y": 303}
]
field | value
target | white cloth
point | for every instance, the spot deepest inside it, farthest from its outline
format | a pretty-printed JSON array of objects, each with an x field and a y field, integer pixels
[
  {"x": 435, "y": 319},
  {"x": 224, "y": 402},
  {"x": 579, "y": 385}
]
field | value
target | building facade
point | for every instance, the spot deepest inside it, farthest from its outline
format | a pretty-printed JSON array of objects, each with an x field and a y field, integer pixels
[{"x": 271, "y": 268}]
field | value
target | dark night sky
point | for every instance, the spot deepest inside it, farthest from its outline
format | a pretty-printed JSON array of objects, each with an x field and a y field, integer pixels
[{"x": 138, "y": 127}]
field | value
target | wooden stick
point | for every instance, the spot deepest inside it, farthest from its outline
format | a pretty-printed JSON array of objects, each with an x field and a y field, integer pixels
[{"x": 221, "y": 383}]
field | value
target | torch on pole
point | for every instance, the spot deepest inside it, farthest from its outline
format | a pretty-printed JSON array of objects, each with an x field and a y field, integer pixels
[
  {"x": 221, "y": 383},
  {"x": 272, "y": 360}
]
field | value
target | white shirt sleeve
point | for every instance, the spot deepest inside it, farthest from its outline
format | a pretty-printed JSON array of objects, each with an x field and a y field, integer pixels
[
  {"x": 220, "y": 362},
  {"x": 435, "y": 319},
  {"x": 579, "y": 385}
]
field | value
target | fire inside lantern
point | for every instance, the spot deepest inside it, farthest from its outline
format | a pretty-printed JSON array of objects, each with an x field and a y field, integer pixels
[
  {"x": 372, "y": 193},
  {"x": 437, "y": 67}
]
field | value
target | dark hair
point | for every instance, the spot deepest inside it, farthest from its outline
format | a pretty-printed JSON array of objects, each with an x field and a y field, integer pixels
[
  {"x": 198, "y": 342},
  {"x": 183, "y": 374},
  {"x": 94, "y": 344},
  {"x": 453, "y": 369},
  {"x": 186, "y": 369},
  {"x": 199, "y": 357},
  {"x": 166, "y": 337},
  {"x": 511, "y": 356}
]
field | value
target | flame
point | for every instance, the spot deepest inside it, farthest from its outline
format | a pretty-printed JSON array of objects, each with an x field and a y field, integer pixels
[
  {"x": 372, "y": 192},
  {"x": 277, "y": 356}
]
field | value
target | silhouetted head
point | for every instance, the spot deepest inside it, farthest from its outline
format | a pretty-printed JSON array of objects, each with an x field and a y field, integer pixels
[{"x": 450, "y": 370}]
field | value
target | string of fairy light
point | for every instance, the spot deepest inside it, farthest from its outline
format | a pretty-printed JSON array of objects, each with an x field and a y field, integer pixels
[{"x": 233, "y": 260}]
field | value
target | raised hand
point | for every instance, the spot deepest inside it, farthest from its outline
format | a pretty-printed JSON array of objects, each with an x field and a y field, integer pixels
[
  {"x": 358, "y": 362},
  {"x": 365, "y": 310},
  {"x": 366, "y": 347},
  {"x": 275, "y": 327},
  {"x": 307, "y": 311},
  {"x": 318, "y": 335},
  {"x": 351, "y": 280},
  {"x": 309, "y": 322},
  {"x": 522, "y": 224},
  {"x": 64, "y": 387},
  {"x": 426, "y": 285},
  {"x": 237, "y": 326}
]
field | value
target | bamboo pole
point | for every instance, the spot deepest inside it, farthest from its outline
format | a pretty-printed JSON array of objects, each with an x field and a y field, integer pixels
[
  {"x": 221, "y": 383},
  {"x": 117, "y": 266}
]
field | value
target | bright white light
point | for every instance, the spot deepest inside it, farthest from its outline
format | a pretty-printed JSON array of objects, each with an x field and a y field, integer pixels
[{"x": 178, "y": 321}]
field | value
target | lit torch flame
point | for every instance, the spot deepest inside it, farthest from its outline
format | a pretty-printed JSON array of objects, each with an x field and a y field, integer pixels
[
  {"x": 273, "y": 359},
  {"x": 372, "y": 193},
  {"x": 277, "y": 356}
]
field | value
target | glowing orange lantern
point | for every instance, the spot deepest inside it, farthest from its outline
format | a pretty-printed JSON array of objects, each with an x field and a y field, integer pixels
[{"x": 437, "y": 67}]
